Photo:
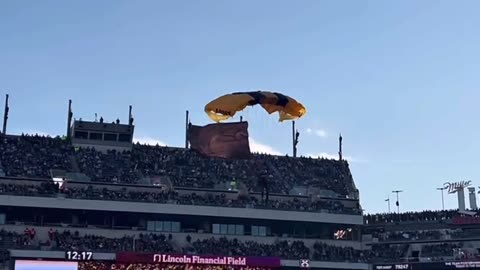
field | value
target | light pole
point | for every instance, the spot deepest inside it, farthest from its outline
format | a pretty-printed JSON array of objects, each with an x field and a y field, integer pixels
[
  {"x": 398, "y": 200},
  {"x": 443, "y": 201},
  {"x": 388, "y": 202}
]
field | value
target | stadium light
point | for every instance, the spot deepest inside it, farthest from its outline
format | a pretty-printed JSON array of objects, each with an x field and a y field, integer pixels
[
  {"x": 443, "y": 201},
  {"x": 398, "y": 200}
]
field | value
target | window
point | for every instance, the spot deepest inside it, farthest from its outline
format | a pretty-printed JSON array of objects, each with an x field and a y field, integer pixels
[
  {"x": 150, "y": 225},
  {"x": 262, "y": 231},
  {"x": 96, "y": 136},
  {"x": 110, "y": 137},
  {"x": 124, "y": 138},
  {"x": 81, "y": 135},
  {"x": 163, "y": 226},
  {"x": 228, "y": 229},
  {"x": 259, "y": 230},
  {"x": 254, "y": 230},
  {"x": 158, "y": 226},
  {"x": 239, "y": 230},
  {"x": 223, "y": 228},
  {"x": 175, "y": 226},
  {"x": 167, "y": 226},
  {"x": 231, "y": 229},
  {"x": 216, "y": 228}
]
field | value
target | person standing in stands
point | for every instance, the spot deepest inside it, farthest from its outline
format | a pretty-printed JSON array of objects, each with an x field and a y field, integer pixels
[{"x": 264, "y": 185}]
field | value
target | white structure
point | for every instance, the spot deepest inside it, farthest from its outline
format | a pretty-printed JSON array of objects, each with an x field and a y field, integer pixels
[
  {"x": 459, "y": 187},
  {"x": 473, "y": 198}
]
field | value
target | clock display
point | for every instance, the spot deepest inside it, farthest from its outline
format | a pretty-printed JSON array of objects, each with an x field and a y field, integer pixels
[{"x": 79, "y": 255}]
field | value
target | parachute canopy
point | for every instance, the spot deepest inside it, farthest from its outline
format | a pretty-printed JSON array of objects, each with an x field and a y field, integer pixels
[{"x": 226, "y": 106}]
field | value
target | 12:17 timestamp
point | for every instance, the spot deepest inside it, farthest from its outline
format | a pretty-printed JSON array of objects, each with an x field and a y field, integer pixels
[{"x": 74, "y": 255}]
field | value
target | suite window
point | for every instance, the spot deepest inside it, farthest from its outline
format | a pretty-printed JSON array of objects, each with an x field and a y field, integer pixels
[
  {"x": 81, "y": 135},
  {"x": 110, "y": 137},
  {"x": 163, "y": 226},
  {"x": 259, "y": 230},
  {"x": 124, "y": 138},
  {"x": 96, "y": 136},
  {"x": 228, "y": 229}
]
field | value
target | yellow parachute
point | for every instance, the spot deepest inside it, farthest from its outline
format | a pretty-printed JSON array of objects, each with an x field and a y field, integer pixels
[{"x": 226, "y": 106}]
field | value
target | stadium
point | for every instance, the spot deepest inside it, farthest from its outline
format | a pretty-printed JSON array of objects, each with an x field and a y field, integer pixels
[{"x": 93, "y": 199}]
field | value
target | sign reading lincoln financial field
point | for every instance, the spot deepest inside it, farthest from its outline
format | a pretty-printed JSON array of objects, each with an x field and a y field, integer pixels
[
  {"x": 452, "y": 187},
  {"x": 158, "y": 258}
]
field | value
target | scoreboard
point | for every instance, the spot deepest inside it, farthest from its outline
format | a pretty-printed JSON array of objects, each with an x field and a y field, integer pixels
[{"x": 467, "y": 265}]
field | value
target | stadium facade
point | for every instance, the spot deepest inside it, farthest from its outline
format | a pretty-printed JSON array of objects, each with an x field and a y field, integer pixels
[{"x": 98, "y": 201}]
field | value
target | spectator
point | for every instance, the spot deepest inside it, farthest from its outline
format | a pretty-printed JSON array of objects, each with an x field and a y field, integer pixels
[
  {"x": 165, "y": 196},
  {"x": 184, "y": 167}
]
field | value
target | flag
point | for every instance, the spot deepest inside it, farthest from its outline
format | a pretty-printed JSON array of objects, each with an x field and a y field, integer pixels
[
  {"x": 340, "y": 234},
  {"x": 225, "y": 140}
]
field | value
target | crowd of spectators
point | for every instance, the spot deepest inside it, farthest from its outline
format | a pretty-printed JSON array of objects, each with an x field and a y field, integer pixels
[
  {"x": 67, "y": 240},
  {"x": 43, "y": 189},
  {"x": 154, "y": 243},
  {"x": 413, "y": 217},
  {"x": 171, "y": 196},
  {"x": 233, "y": 247},
  {"x": 286, "y": 249},
  {"x": 464, "y": 233},
  {"x": 4, "y": 255},
  {"x": 410, "y": 235},
  {"x": 324, "y": 252},
  {"x": 439, "y": 250},
  {"x": 34, "y": 156},
  {"x": 110, "y": 166},
  {"x": 388, "y": 253},
  {"x": 96, "y": 265}
]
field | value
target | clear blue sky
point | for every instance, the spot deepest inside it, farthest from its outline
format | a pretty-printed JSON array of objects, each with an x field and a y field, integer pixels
[{"x": 399, "y": 79}]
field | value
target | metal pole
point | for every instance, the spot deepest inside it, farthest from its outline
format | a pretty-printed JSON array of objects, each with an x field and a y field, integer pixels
[
  {"x": 186, "y": 128},
  {"x": 388, "y": 203},
  {"x": 443, "y": 201},
  {"x": 129, "y": 114},
  {"x": 398, "y": 204},
  {"x": 5, "y": 116},
  {"x": 293, "y": 140},
  {"x": 340, "y": 154},
  {"x": 398, "y": 199},
  {"x": 69, "y": 119}
]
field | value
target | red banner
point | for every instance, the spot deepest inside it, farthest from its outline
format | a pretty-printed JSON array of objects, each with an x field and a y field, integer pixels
[
  {"x": 131, "y": 257},
  {"x": 226, "y": 140},
  {"x": 465, "y": 220}
]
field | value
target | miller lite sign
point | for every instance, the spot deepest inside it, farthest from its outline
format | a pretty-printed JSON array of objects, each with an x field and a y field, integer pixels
[{"x": 455, "y": 186}]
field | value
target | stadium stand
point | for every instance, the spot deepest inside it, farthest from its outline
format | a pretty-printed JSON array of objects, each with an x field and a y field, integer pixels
[
  {"x": 184, "y": 167},
  {"x": 27, "y": 162}
]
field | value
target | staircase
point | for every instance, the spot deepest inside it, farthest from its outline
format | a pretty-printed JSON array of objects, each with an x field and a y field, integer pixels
[{"x": 74, "y": 163}]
